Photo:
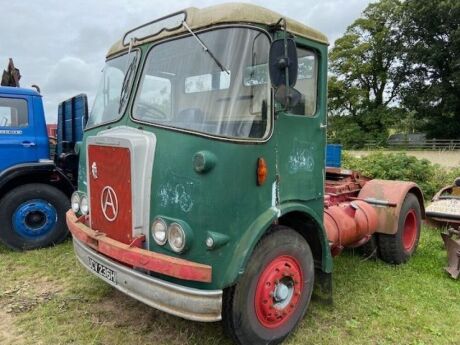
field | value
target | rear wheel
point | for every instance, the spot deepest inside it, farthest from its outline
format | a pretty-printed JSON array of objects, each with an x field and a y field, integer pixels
[
  {"x": 369, "y": 250},
  {"x": 398, "y": 248},
  {"x": 273, "y": 294},
  {"x": 33, "y": 216}
]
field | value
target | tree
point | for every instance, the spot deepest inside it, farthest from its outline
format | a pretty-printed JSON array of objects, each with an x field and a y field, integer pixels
[
  {"x": 432, "y": 48},
  {"x": 368, "y": 73}
]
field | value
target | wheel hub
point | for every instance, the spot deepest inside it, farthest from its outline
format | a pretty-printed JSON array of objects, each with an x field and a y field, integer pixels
[
  {"x": 278, "y": 291},
  {"x": 34, "y": 218},
  {"x": 410, "y": 231},
  {"x": 281, "y": 292}
]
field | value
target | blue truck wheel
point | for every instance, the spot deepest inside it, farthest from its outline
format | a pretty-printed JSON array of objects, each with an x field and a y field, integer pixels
[{"x": 33, "y": 216}]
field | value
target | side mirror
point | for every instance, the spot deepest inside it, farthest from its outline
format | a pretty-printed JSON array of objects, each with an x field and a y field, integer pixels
[{"x": 283, "y": 63}]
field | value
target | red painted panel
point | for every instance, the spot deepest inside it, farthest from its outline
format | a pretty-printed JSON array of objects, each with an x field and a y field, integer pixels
[{"x": 109, "y": 174}]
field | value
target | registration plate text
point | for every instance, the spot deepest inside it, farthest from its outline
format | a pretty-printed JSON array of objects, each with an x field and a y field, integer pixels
[{"x": 103, "y": 271}]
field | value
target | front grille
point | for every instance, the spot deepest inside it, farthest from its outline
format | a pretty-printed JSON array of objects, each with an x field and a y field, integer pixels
[{"x": 109, "y": 179}]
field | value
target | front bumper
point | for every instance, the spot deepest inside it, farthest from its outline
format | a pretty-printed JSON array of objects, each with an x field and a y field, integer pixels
[
  {"x": 133, "y": 255},
  {"x": 188, "y": 303}
]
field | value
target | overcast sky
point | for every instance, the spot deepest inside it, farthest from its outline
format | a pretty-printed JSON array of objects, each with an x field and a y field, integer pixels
[{"x": 61, "y": 45}]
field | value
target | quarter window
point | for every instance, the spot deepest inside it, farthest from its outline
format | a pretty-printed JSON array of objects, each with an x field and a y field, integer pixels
[
  {"x": 13, "y": 112},
  {"x": 307, "y": 82}
]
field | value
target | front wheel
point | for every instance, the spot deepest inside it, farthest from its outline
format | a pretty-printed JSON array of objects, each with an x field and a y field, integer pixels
[
  {"x": 398, "y": 248},
  {"x": 33, "y": 216},
  {"x": 273, "y": 294}
]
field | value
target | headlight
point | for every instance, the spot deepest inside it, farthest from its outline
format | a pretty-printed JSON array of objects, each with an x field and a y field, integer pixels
[
  {"x": 176, "y": 237},
  {"x": 159, "y": 229},
  {"x": 84, "y": 205},
  {"x": 75, "y": 202}
]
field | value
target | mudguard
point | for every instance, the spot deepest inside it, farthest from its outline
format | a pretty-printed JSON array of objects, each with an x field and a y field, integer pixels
[
  {"x": 394, "y": 192},
  {"x": 46, "y": 172},
  {"x": 258, "y": 229}
]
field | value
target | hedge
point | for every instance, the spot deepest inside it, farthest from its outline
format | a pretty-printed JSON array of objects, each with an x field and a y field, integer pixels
[{"x": 399, "y": 166}]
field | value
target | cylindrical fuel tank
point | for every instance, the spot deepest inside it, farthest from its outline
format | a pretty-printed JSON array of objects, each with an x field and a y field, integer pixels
[{"x": 349, "y": 222}]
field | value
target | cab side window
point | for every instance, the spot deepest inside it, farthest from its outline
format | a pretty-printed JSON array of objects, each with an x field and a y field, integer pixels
[
  {"x": 13, "y": 112},
  {"x": 307, "y": 82}
]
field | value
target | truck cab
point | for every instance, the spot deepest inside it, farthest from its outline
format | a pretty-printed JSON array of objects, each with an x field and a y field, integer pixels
[
  {"x": 34, "y": 189},
  {"x": 22, "y": 127},
  {"x": 202, "y": 170}
]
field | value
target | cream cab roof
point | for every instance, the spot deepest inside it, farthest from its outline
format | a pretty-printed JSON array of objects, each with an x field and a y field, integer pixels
[{"x": 197, "y": 18}]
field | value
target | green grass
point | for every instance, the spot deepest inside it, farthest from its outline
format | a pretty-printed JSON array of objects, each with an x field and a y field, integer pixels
[{"x": 46, "y": 297}]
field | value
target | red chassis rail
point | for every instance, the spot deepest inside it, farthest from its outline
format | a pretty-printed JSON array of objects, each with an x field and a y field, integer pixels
[{"x": 137, "y": 257}]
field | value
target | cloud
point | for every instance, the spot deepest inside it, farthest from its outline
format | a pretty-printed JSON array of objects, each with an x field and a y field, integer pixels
[
  {"x": 68, "y": 77},
  {"x": 72, "y": 74}
]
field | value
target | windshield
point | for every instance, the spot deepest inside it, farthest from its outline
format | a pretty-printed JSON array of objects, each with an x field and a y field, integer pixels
[
  {"x": 107, "y": 107},
  {"x": 183, "y": 87}
]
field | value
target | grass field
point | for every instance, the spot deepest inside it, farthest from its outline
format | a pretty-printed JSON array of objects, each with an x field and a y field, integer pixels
[{"x": 47, "y": 298}]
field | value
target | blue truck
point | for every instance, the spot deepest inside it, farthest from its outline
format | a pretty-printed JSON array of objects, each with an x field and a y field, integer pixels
[{"x": 35, "y": 185}]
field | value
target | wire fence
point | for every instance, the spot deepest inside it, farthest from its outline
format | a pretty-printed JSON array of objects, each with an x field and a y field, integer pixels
[{"x": 428, "y": 144}]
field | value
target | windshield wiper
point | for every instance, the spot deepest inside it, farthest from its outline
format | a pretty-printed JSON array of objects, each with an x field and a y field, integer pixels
[
  {"x": 206, "y": 49},
  {"x": 129, "y": 70},
  {"x": 126, "y": 83}
]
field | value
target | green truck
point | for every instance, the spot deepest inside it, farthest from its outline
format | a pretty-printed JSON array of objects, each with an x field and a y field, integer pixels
[{"x": 202, "y": 187}]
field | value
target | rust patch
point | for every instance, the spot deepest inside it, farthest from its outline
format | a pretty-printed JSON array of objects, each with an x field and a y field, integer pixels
[{"x": 393, "y": 192}]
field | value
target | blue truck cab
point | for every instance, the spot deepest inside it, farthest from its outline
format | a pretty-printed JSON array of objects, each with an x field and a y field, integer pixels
[
  {"x": 23, "y": 133},
  {"x": 35, "y": 189}
]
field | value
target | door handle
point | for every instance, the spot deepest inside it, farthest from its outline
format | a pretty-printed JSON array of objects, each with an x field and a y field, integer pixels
[
  {"x": 323, "y": 125},
  {"x": 28, "y": 143}
]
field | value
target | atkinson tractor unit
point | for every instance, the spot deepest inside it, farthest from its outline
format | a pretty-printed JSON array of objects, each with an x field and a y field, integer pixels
[{"x": 203, "y": 190}]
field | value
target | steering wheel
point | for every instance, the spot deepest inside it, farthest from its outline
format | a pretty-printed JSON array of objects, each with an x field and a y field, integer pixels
[{"x": 147, "y": 110}]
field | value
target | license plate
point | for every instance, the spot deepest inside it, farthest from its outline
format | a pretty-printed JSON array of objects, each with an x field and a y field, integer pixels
[{"x": 103, "y": 271}]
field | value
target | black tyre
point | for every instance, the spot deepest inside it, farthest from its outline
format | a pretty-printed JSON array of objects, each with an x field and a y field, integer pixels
[
  {"x": 273, "y": 294},
  {"x": 398, "y": 248},
  {"x": 33, "y": 216}
]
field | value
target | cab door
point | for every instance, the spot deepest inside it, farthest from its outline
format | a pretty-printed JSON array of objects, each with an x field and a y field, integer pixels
[
  {"x": 301, "y": 132},
  {"x": 17, "y": 135}
]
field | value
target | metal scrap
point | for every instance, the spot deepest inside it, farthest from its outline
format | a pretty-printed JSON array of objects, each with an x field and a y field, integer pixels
[
  {"x": 11, "y": 75},
  {"x": 451, "y": 239}
]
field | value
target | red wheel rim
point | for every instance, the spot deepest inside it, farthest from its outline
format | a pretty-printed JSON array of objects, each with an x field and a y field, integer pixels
[
  {"x": 410, "y": 230},
  {"x": 278, "y": 291}
]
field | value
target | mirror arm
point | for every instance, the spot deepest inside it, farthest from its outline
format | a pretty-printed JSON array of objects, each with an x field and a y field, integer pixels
[{"x": 286, "y": 58}]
